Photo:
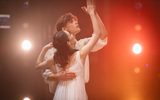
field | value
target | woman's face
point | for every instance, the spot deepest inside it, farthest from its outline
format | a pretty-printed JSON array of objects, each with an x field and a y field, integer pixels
[{"x": 72, "y": 27}]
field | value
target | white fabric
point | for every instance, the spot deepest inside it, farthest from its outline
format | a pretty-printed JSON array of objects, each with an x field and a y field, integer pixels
[
  {"x": 51, "y": 84},
  {"x": 100, "y": 44},
  {"x": 72, "y": 89}
]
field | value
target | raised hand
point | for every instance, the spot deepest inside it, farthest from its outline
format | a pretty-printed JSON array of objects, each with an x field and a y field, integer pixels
[{"x": 90, "y": 8}]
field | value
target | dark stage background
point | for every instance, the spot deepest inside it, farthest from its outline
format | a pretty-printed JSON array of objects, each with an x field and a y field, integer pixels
[{"x": 115, "y": 72}]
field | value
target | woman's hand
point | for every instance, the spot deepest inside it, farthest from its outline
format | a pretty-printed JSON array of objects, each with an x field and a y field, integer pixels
[{"x": 90, "y": 8}]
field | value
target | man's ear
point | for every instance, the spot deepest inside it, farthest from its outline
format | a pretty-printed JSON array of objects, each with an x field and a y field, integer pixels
[{"x": 68, "y": 43}]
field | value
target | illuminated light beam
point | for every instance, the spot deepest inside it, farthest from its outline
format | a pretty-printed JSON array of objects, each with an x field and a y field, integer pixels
[
  {"x": 26, "y": 45},
  {"x": 26, "y": 98},
  {"x": 137, "y": 48}
]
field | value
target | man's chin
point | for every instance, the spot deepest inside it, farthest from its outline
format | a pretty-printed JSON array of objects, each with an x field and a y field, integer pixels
[{"x": 78, "y": 31}]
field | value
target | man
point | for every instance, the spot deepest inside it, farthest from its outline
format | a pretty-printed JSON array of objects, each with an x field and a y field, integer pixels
[{"x": 69, "y": 24}]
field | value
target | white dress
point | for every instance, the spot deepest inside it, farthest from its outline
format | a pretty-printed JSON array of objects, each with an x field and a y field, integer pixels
[{"x": 72, "y": 89}]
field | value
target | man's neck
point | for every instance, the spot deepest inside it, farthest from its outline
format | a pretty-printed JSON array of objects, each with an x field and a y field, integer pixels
[{"x": 66, "y": 32}]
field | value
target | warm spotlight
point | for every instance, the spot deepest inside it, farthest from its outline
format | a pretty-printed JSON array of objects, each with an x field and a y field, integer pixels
[
  {"x": 26, "y": 45},
  {"x": 138, "y": 27},
  {"x": 137, "y": 48},
  {"x": 26, "y": 98}
]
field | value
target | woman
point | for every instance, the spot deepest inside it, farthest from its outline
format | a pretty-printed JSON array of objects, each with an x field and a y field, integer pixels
[{"x": 68, "y": 59}]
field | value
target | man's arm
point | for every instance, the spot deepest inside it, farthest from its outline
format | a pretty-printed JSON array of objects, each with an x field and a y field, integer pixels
[
  {"x": 96, "y": 30},
  {"x": 40, "y": 63},
  {"x": 99, "y": 45},
  {"x": 103, "y": 37},
  {"x": 50, "y": 76},
  {"x": 104, "y": 33},
  {"x": 61, "y": 76}
]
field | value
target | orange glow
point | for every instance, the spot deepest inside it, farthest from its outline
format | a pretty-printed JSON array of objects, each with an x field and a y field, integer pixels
[
  {"x": 137, "y": 70},
  {"x": 138, "y": 27}
]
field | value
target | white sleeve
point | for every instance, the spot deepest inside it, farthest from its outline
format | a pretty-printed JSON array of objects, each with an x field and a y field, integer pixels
[
  {"x": 51, "y": 84},
  {"x": 86, "y": 69},
  {"x": 47, "y": 72},
  {"x": 82, "y": 42},
  {"x": 99, "y": 45},
  {"x": 49, "y": 54}
]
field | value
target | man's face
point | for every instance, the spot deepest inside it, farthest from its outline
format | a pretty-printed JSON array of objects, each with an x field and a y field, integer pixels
[{"x": 72, "y": 27}]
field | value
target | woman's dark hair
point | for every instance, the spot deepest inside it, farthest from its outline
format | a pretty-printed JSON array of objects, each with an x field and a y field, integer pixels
[
  {"x": 63, "y": 52},
  {"x": 64, "y": 19}
]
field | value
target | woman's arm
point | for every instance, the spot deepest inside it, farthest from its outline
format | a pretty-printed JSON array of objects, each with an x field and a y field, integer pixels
[{"x": 96, "y": 30}]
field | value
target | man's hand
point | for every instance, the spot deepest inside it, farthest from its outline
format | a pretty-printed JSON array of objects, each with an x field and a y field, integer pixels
[
  {"x": 65, "y": 75},
  {"x": 90, "y": 8}
]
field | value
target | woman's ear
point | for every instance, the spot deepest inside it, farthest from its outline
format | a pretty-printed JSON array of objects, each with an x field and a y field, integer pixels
[
  {"x": 68, "y": 43},
  {"x": 63, "y": 29}
]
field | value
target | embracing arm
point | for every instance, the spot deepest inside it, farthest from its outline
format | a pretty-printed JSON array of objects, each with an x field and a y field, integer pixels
[{"x": 40, "y": 63}]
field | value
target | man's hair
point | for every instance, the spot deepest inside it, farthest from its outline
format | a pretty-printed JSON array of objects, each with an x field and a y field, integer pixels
[{"x": 63, "y": 20}]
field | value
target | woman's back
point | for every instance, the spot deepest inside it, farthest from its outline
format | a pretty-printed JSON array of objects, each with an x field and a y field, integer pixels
[{"x": 72, "y": 89}]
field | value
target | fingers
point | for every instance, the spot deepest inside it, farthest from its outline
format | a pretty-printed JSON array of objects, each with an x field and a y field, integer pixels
[
  {"x": 93, "y": 2},
  {"x": 90, "y": 6},
  {"x": 84, "y": 9},
  {"x": 70, "y": 76},
  {"x": 66, "y": 75},
  {"x": 90, "y": 2}
]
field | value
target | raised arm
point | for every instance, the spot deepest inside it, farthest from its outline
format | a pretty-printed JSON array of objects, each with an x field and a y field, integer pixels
[
  {"x": 103, "y": 30},
  {"x": 96, "y": 30},
  {"x": 103, "y": 36},
  {"x": 40, "y": 63}
]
